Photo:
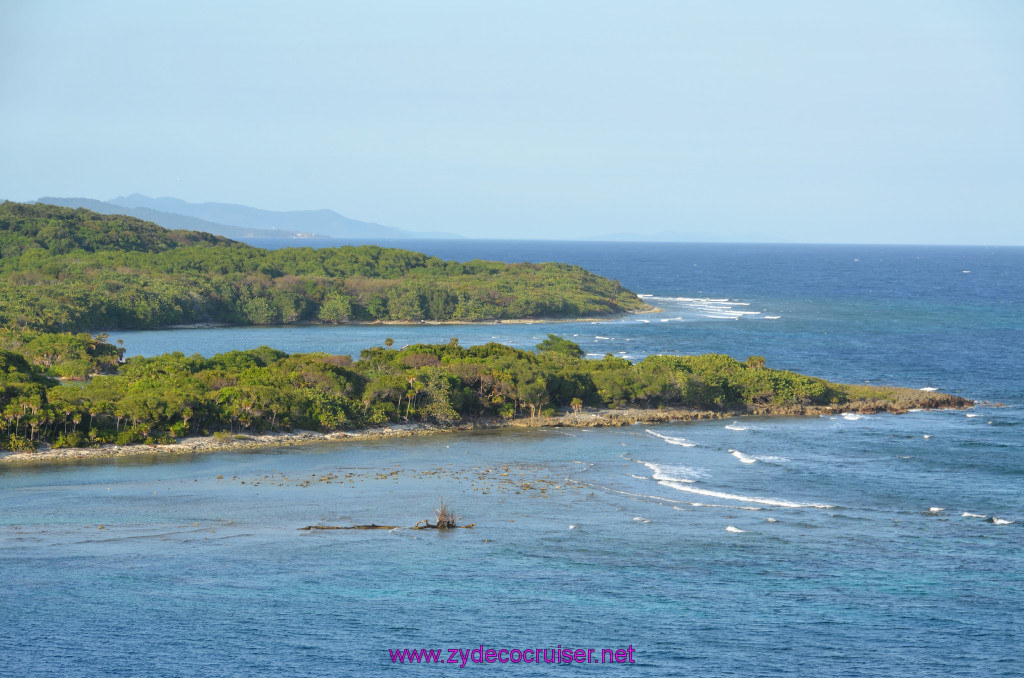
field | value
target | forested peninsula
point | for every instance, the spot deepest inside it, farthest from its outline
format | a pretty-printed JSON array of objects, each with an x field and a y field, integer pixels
[
  {"x": 159, "y": 399},
  {"x": 65, "y": 269}
]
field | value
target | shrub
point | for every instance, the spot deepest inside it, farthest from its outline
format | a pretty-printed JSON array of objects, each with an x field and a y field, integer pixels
[
  {"x": 132, "y": 435},
  {"x": 557, "y": 344},
  {"x": 16, "y": 443},
  {"x": 73, "y": 439}
]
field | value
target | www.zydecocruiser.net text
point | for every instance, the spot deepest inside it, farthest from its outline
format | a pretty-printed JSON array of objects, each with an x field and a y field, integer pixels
[{"x": 557, "y": 655}]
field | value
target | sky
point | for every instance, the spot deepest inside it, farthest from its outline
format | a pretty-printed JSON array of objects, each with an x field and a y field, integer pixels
[{"x": 896, "y": 121}]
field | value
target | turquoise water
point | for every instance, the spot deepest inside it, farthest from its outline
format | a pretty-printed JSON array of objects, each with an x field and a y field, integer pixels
[{"x": 855, "y": 546}]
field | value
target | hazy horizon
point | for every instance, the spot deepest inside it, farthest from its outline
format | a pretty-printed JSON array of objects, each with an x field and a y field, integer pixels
[{"x": 795, "y": 122}]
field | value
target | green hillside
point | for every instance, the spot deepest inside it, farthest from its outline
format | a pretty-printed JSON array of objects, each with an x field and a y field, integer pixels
[{"x": 72, "y": 270}]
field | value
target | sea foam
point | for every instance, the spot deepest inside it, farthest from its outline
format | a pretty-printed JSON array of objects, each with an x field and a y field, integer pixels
[
  {"x": 742, "y": 457},
  {"x": 672, "y": 440},
  {"x": 674, "y": 474},
  {"x": 738, "y": 497},
  {"x": 771, "y": 458},
  {"x": 705, "y": 307}
]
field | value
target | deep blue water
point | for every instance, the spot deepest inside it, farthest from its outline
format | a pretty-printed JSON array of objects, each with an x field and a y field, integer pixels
[{"x": 776, "y": 547}]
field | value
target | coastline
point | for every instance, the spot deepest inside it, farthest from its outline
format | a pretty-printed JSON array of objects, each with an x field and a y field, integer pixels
[
  {"x": 371, "y": 323},
  {"x": 588, "y": 418}
]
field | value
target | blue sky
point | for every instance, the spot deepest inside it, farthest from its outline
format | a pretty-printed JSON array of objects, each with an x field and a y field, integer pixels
[{"x": 882, "y": 122}]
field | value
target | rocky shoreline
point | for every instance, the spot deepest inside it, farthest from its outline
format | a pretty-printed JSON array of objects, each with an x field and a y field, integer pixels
[{"x": 587, "y": 418}]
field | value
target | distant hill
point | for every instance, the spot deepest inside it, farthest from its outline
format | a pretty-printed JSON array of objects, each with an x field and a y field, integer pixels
[
  {"x": 167, "y": 219},
  {"x": 239, "y": 221},
  {"x": 308, "y": 222}
]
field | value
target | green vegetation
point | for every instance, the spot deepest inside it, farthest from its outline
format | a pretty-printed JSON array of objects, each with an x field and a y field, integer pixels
[
  {"x": 64, "y": 355},
  {"x": 557, "y": 344},
  {"x": 152, "y": 399},
  {"x": 75, "y": 270},
  {"x": 63, "y": 269}
]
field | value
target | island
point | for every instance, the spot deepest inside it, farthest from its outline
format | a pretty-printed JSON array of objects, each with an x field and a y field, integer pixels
[
  {"x": 65, "y": 269},
  {"x": 66, "y": 395}
]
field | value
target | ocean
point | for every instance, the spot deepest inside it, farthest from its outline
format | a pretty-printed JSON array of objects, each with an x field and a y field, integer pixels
[{"x": 882, "y": 545}]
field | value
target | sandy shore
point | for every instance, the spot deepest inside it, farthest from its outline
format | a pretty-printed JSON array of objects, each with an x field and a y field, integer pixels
[
  {"x": 371, "y": 323},
  {"x": 588, "y": 418}
]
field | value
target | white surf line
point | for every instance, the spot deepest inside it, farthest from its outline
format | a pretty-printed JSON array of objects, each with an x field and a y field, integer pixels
[
  {"x": 661, "y": 471},
  {"x": 785, "y": 503},
  {"x": 742, "y": 457},
  {"x": 707, "y": 307},
  {"x": 672, "y": 440},
  {"x": 700, "y": 504}
]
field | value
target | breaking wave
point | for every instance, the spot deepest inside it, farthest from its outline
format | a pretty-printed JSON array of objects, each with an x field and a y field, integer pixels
[
  {"x": 703, "y": 307},
  {"x": 740, "y": 498},
  {"x": 672, "y": 440},
  {"x": 742, "y": 457}
]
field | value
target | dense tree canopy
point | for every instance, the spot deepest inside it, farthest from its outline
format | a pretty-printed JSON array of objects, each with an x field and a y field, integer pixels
[
  {"x": 65, "y": 355},
  {"x": 64, "y": 269},
  {"x": 150, "y": 399}
]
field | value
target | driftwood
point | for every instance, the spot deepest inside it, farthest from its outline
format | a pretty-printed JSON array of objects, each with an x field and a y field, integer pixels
[
  {"x": 446, "y": 520},
  {"x": 350, "y": 527},
  {"x": 422, "y": 525},
  {"x": 425, "y": 525}
]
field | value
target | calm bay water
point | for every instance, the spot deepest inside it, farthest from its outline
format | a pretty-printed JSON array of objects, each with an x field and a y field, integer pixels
[{"x": 855, "y": 546}]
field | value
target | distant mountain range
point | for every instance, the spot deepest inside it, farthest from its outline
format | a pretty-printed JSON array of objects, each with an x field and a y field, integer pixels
[{"x": 239, "y": 221}]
